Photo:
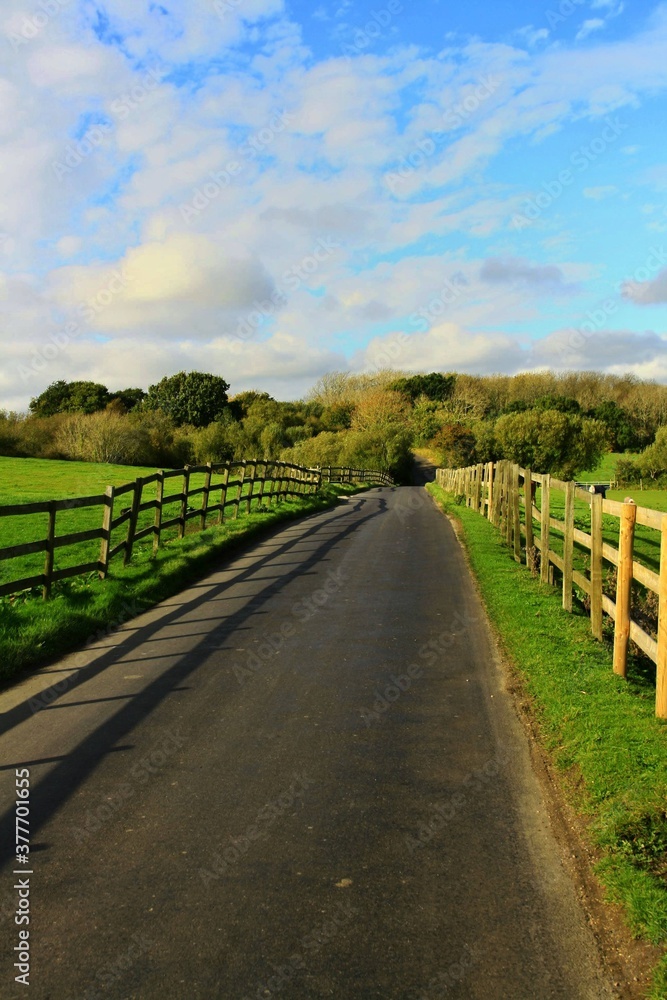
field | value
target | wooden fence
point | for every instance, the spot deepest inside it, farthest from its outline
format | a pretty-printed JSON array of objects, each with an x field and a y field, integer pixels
[
  {"x": 337, "y": 474},
  {"x": 506, "y": 494},
  {"x": 228, "y": 487}
]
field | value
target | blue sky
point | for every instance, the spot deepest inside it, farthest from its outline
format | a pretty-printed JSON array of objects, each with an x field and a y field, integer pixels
[{"x": 270, "y": 190}]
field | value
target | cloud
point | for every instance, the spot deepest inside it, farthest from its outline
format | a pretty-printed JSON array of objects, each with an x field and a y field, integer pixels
[
  {"x": 514, "y": 270},
  {"x": 588, "y": 27},
  {"x": 599, "y": 193},
  {"x": 645, "y": 293}
]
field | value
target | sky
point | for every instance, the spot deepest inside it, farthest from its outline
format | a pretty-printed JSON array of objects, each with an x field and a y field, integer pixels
[{"x": 269, "y": 190}]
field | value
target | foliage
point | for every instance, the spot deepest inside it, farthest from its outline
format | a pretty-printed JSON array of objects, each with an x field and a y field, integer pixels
[
  {"x": 196, "y": 398},
  {"x": 455, "y": 443},
  {"x": 551, "y": 441},
  {"x": 70, "y": 397},
  {"x": 436, "y": 386}
]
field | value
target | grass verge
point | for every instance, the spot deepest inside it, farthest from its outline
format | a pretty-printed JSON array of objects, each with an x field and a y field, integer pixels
[
  {"x": 599, "y": 730},
  {"x": 34, "y": 632}
]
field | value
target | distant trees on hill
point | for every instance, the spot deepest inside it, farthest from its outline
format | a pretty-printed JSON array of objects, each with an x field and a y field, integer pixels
[{"x": 554, "y": 423}]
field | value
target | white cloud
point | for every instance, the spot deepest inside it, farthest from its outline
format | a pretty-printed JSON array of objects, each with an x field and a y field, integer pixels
[
  {"x": 588, "y": 27},
  {"x": 646, "y": 293},
  {"x": 601, "y": 192}
]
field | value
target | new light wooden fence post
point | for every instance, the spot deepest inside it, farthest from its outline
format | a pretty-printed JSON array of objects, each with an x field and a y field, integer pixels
[
  {"x": 223, "y": 493},
  {"x": 528, "y": 501},
  {"x": 516, "y": 511},
  {"x": 157, "y": 523},
  {"x": 491, "y": 494},
  {"x": 624, "y": 588},
  {"x": 105, "y": 544},
  {"x": 596, "y": 565},
  {"x": 661, "y": 664},
  {"x": 207, "y": 490},
  {"x": 480, "y": 488},
  {"x": 568, "y": 546},
  {"x": 50, "y": 549},
  {"x": 545, "y": 528},
  {"x": 132, "y": 523}
]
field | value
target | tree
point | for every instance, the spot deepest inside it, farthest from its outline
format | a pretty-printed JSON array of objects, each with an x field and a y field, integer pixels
[
  {"x": 550, "y": 441},
  {"x": 436, "y": 386},
  {"x": 70, "y": 397},
  {"x": 129, "y": 398},
  {"x": 456, "y": 445},
  {"x": 621, "y": 434},
  {"x": 195, "y": 398}
]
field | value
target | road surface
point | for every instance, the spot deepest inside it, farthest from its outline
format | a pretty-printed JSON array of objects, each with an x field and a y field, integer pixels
[{"x": 299, "y": 778}]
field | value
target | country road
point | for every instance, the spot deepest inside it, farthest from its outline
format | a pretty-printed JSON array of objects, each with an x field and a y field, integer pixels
[{"x": 300, "y": 778}]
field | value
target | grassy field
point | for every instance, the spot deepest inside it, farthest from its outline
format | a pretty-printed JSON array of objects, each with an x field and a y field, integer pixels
[
  {"x": 33, "y": 631},
  {"x": 26, "y": 480},
  {"x": 605, "y": 471},
  {"x": 599, "y": 730}
]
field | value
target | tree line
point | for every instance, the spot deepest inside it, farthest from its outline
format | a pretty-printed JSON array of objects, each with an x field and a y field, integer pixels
[{"x": 558, "y": 423}]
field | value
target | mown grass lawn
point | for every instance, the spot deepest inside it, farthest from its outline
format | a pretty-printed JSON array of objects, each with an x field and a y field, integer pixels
[
  {"x": 599, "y": 729},
  {"x": 33, "y": 631},
  {"x": 26, "y": 480}
]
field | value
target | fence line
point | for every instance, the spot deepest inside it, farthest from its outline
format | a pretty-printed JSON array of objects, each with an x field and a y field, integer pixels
[
  {"x": 338, "y": 474},
  {"x": 502, "y": 491}
]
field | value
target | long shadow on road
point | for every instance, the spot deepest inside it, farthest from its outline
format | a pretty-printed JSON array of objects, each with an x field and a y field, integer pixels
[{"x": 50, "y": 794}]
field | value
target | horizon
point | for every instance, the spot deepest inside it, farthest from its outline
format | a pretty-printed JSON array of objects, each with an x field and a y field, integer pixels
[{"x": 269, "y": 191}]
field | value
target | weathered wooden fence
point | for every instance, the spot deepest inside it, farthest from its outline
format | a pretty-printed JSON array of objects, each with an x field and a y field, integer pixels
[
  {"x": 506, "y": 494},
  {"x": 228, "y": 487},
  {"x": 338, "y": 474}
]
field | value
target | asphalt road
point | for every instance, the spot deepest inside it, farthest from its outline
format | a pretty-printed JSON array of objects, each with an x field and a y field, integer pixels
[{"x": 300, "y": 778}]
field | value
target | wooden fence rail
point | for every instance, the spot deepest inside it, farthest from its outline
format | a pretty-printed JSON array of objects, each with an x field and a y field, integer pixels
[
  {"x": 338, "y": 474},
  {"x": 505, "y": 494},
  {"x": 236, "y": 483}
]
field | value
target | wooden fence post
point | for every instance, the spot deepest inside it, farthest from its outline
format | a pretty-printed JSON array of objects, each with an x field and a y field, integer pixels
[
  {"x": 661, "y": 665},
  {"x": 50, "y": 549},
  {"x": 568, "y": 546},
  {"x": 207, "y": 490},
  {"x": 516, "y": 511},
  {"x": 184, "y": 502},
  {"x": 132, "y": 523},
  {"x": 624, "y": 588},
  {"x": 157, "y": 523},
  {"x": 528, "y": 501},
  {"x": 545, "y": 528},
  {"x": 489, "y": 511},
  {"x": 248, "y": 506},
  {"x": 105, "y": 544},
  {"x": 237, "y": 498},
  {"x": 223, "y": 493},
  {"x": 596, "y": 565}
]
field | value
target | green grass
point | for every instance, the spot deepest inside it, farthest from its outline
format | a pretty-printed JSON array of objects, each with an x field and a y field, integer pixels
[
  {"x": 605, "y": 470},
  {"x": 600, "y": 731},
  {"x": 25, "y": 480},
  {"x": 33, "y": 632}
]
